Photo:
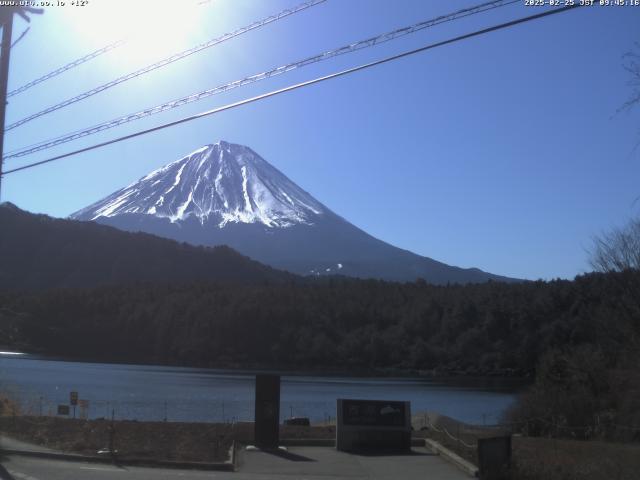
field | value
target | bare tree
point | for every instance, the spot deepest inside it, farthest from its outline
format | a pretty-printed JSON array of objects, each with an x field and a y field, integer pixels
[
  {"x": 631, "y": 63},
  {"x": 632, "y": 66},
  {"x": 617, "y": 250}
]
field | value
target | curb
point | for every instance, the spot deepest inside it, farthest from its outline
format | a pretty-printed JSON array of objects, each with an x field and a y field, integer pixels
[
  {"x": 226, "y": 466},
  {"x": 308, "y": 442},
  {"x": 329, "y": 442},
  {"x": 4, "y": 474},
  {"x": 234, "y": 459},
  {"x": 464, "y": 465}
]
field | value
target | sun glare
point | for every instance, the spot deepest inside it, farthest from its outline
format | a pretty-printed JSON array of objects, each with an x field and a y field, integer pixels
[{"x": 152, "y": 27}]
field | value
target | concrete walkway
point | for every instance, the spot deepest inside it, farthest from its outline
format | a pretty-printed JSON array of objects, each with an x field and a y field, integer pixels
[
  {"x": 328, "y": 463},
  {"x": 28, "y": 468}
]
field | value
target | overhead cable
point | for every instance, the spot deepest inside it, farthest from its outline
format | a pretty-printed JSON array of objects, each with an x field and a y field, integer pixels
[
  {"x": 369, "y": 42},
  {"x": 165, "y": 61},
  {"x": 300, "y": 85},
  {"x": 68, "y": 66}
]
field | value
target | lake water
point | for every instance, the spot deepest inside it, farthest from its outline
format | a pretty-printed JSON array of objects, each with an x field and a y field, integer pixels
[{"x": 146, "y": 392}]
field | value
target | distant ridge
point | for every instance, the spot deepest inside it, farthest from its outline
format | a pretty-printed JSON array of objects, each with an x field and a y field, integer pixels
[{"x": 37, "y": 251}]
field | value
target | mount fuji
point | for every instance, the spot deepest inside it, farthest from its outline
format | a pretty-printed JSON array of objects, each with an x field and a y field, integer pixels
[{"x": 227, "y": 194}]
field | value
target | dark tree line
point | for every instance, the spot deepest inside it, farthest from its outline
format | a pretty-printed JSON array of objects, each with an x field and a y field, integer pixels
[{"x": 335, "y": 323}]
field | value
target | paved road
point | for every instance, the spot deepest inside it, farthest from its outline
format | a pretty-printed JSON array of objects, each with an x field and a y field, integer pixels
[
  {"x": 27, "y": 468},
  {"x": 310, "y": 463}
]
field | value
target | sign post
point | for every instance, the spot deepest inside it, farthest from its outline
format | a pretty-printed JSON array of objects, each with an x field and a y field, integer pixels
[{"x": 73, "y": 400}]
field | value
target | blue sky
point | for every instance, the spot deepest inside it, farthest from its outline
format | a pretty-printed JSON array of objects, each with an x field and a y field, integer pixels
[{"x": 503, "y": 152}]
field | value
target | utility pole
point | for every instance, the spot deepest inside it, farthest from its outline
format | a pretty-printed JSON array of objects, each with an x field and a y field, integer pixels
[
  {"x": 6, "y": 18},
  {"x": 5, "y": 53}
]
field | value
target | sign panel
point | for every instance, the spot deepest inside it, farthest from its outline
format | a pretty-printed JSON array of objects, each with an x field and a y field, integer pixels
[
  {"x": 73, "y": 398},
  {"x": 84, "y": 408},
  {"x": 63, "y": 409},
  {"x": 373, "y": 413},
  {"x": 368, "y": 425}
]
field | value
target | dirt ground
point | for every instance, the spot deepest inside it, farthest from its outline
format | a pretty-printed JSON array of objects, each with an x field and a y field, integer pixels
[
  {"x": 559, "y": 459},
  {"x": 555, "y": 459},
  {"x": 195, "y": 442},
  {"x": 533, "y": 458}
]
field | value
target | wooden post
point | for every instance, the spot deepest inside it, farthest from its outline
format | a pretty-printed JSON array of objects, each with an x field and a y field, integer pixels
[{"x": 5, "y": 54}]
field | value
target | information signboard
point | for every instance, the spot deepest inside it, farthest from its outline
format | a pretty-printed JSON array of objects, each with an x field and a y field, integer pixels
[
  {"x": 84, "y": 408},
  {"x": 373, "y": 413},
  {"x": 373, "y": 425}
]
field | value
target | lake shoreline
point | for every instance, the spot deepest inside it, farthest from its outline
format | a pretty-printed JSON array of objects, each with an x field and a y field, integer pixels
[
  {"x": 150, "y": 392},
  {"x": 438, "y": 373}
]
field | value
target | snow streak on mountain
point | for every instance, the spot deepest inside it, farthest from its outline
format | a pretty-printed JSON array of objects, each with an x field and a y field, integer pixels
[{"x": 222, "y": 183}]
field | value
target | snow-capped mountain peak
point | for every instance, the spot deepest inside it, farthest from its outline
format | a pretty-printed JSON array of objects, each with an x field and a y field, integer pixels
[
  {"x": 226, "y": 194},
  {"x": 222, "y": 183}
]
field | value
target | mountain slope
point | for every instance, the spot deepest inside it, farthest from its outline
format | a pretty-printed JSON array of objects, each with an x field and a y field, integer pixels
[
  {"x": 227, "y": 194},
  {"x": 222, "y": 184},
  {"x": 37, "y": 251}
]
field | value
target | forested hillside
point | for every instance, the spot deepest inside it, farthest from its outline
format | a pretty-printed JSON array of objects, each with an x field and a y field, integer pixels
[
  {"x": 491, "y": 328},
  {"x": 37, "y": 251}
]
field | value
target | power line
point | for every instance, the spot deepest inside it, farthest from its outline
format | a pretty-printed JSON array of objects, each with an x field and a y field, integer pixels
[
  {"x": 300, "y": 85},
  {"x": 68, "y": 66},
  {"x": 74, "y": 63},
  {"x": 22, "y": 35},
  {"x": 166, "y": 61},
  {"x": 370, "y": 42}
]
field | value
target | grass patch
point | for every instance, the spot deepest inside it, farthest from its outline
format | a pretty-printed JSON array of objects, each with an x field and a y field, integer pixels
[{"x": 559, "y": 459}]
